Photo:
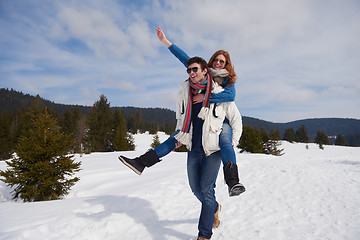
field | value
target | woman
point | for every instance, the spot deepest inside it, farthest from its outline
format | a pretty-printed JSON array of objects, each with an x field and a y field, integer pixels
[{"x": 222, "y": 71}]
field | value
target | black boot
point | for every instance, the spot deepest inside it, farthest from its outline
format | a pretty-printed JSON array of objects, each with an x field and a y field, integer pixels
[
  {"x": 139, "y": 163},
  {"x": 232, "y": 179}
]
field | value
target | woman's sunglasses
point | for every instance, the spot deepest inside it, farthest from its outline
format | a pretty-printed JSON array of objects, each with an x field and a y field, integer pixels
[
  {"x": 219, "y": 60},
  {"x": 194, "y": 69}
]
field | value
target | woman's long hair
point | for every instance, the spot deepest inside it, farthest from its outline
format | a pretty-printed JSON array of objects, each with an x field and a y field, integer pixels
[{"x": 228, "y": 65}]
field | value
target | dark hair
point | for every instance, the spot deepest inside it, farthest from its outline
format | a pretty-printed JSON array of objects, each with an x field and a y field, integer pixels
[{"x": 203, "y": 64}]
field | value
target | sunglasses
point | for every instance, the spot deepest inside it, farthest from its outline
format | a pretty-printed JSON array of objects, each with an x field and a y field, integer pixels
[
  {"x": 219, "y": 60},
  {"x": 194, "y": 69}
]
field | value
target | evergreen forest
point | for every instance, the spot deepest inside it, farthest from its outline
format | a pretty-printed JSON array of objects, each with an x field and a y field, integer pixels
[{"x": 103, "y": 128}]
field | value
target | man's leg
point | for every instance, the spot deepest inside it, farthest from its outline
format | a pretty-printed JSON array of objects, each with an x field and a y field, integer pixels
[
  {"x": 209, "y": 172},
  {"x": 194, "y": 164}
]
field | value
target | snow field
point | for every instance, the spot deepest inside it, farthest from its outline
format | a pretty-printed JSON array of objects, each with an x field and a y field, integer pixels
[{"x": 304, "y": 194}]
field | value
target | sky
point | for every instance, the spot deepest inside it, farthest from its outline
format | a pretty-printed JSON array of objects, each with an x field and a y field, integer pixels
[{"x": 294, "y": 59}]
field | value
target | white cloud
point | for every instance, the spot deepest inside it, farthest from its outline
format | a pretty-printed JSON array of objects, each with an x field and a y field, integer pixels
[{"x": 286, "y": 53}]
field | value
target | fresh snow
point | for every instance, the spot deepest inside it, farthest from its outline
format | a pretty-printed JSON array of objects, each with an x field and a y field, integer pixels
[{"x": 304, "y": 194}]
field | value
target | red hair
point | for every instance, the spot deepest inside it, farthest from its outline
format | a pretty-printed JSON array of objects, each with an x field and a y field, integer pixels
[{"x": 228, "y": 65}]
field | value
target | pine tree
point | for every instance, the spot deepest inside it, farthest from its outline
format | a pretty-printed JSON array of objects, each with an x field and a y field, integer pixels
[
  {"x": 130, "y": 142},
  {"x": 290, "y": 135},
  {"x": 7, "y": 137},
  {"x": 120, "y": 138},
  {"x": 100, "y": 126},
  {"x": 321, "y": 139},
  {"x": 340, "y": 140},
  {"x": 42, "y": 168},
  {"x": 302, "y": 134},
  {"x": 250, "y": 140},
  {"x": 272, "y": 146},
  {"x": 156, "y": 141}
]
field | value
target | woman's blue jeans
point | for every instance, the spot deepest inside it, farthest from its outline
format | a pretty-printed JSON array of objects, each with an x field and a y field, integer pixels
[
  {"x": 225, "y": 144},
  {"x": 166, "y": 147}
]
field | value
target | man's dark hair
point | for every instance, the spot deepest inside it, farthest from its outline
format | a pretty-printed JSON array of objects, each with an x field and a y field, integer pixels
[{"x": 203, "y": 64}]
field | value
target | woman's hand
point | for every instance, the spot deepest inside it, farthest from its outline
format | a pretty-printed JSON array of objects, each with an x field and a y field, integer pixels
[
  {"x": 162, "y": 37},
  {"x": 198, "y": 98},
  {"x": 177, "y": 145}
]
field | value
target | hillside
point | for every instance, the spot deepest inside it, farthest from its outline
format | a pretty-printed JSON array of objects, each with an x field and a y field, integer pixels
[{"x": 11, "y": 100}]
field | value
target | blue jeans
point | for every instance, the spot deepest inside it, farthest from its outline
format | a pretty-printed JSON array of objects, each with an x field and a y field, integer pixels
[
  {"x": 166, "y": 147},
  {"x": 202, "y": 173},
  {"x": 225, "y": 144}
]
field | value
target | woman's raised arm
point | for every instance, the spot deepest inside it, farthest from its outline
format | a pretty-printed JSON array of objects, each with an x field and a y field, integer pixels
[
  {"x": 162, "y": 37},
  {"x": 175, "y": 50}
]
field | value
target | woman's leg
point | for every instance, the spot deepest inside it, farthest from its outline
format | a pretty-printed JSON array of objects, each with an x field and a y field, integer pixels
[
  {"x": 225, "y": 144},
  {"x": 228, "y": 158},
  {"x": 151, "y": 157},
  {"x": 166, "y": 147}
]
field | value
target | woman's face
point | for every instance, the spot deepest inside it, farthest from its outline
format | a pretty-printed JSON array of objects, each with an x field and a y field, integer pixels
[{"x": 219, "y": 62}]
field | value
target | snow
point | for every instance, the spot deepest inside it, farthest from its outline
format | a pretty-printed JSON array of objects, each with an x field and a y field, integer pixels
[{"x": 304, "y": 194}]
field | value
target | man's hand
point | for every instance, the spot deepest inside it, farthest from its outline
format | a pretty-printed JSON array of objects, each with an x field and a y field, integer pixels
[{"x": 198, "y": 98}]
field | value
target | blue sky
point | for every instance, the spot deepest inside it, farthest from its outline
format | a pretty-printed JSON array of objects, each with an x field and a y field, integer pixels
[{"x": 295, "y": 59}]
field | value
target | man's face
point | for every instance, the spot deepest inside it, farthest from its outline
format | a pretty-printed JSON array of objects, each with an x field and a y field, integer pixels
[{"x": 196, "y": 75}]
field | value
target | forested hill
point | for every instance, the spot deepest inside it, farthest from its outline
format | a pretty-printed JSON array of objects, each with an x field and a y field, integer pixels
[
  {"x": 11, "y": 100},
  {"x": 331, "y": 126}
]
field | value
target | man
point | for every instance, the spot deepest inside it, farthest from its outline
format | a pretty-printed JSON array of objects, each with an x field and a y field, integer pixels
[{"x": 200, "y": 125}]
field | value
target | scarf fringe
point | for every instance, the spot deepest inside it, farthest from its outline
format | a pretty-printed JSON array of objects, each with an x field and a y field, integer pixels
[
  {"x": 183, "y": 138},
  {"x": 203, "y": 112}
]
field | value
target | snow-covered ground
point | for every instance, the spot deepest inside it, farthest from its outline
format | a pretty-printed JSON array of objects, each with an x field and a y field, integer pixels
[{"x": 304, "y": 194}]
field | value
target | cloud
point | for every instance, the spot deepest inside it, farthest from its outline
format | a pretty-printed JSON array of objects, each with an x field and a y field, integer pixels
[{"x": 289, "y": 55}]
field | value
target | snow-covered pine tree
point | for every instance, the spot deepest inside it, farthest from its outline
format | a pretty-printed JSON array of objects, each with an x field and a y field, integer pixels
[{"x": 41, "y": 169}]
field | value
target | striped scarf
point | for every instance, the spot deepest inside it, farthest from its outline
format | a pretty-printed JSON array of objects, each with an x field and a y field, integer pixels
[{"x": 194, "y": 89}]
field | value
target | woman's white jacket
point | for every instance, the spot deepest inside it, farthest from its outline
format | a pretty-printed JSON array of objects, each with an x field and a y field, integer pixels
[{"x": 213, "y": 119}]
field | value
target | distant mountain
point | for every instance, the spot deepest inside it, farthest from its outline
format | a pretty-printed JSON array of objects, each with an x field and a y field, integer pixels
[
  {"x": 331, "y": 126},
  {"x": 11, "y": 100}
]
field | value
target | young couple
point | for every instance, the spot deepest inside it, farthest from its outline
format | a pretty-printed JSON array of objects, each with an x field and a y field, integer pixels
[{"x": 207, "y": 121}]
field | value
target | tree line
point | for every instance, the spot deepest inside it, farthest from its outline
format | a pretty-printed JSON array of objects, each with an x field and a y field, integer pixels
[
  {"x": 103, "y": 129},
  {"x": 260, "y": 141}
]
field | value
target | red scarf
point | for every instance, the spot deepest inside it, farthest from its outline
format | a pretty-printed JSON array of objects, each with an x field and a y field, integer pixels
[{"x": 193, "y": 90}]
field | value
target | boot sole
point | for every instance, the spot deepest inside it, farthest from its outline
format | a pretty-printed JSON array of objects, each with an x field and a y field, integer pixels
[
  {"x": 129, "y": 165},
  {"x": 237, "y": 190}
]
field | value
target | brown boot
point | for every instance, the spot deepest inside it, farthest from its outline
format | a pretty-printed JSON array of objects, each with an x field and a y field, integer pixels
[{"x": 217, "y": 217}]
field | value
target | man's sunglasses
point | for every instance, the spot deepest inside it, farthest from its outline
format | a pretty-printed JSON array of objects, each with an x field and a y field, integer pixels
[
  {"x": 194, "y": 69},
  {"x": 219, "y": 60}
]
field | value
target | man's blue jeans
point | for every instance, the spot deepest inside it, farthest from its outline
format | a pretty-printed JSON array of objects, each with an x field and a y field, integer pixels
[
  {"x": 225, "y": 144},
  {"x": 202, "y": 173}
]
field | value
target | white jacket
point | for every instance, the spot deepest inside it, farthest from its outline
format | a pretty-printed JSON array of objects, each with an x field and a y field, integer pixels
[{"x": 213, "y": 120}]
